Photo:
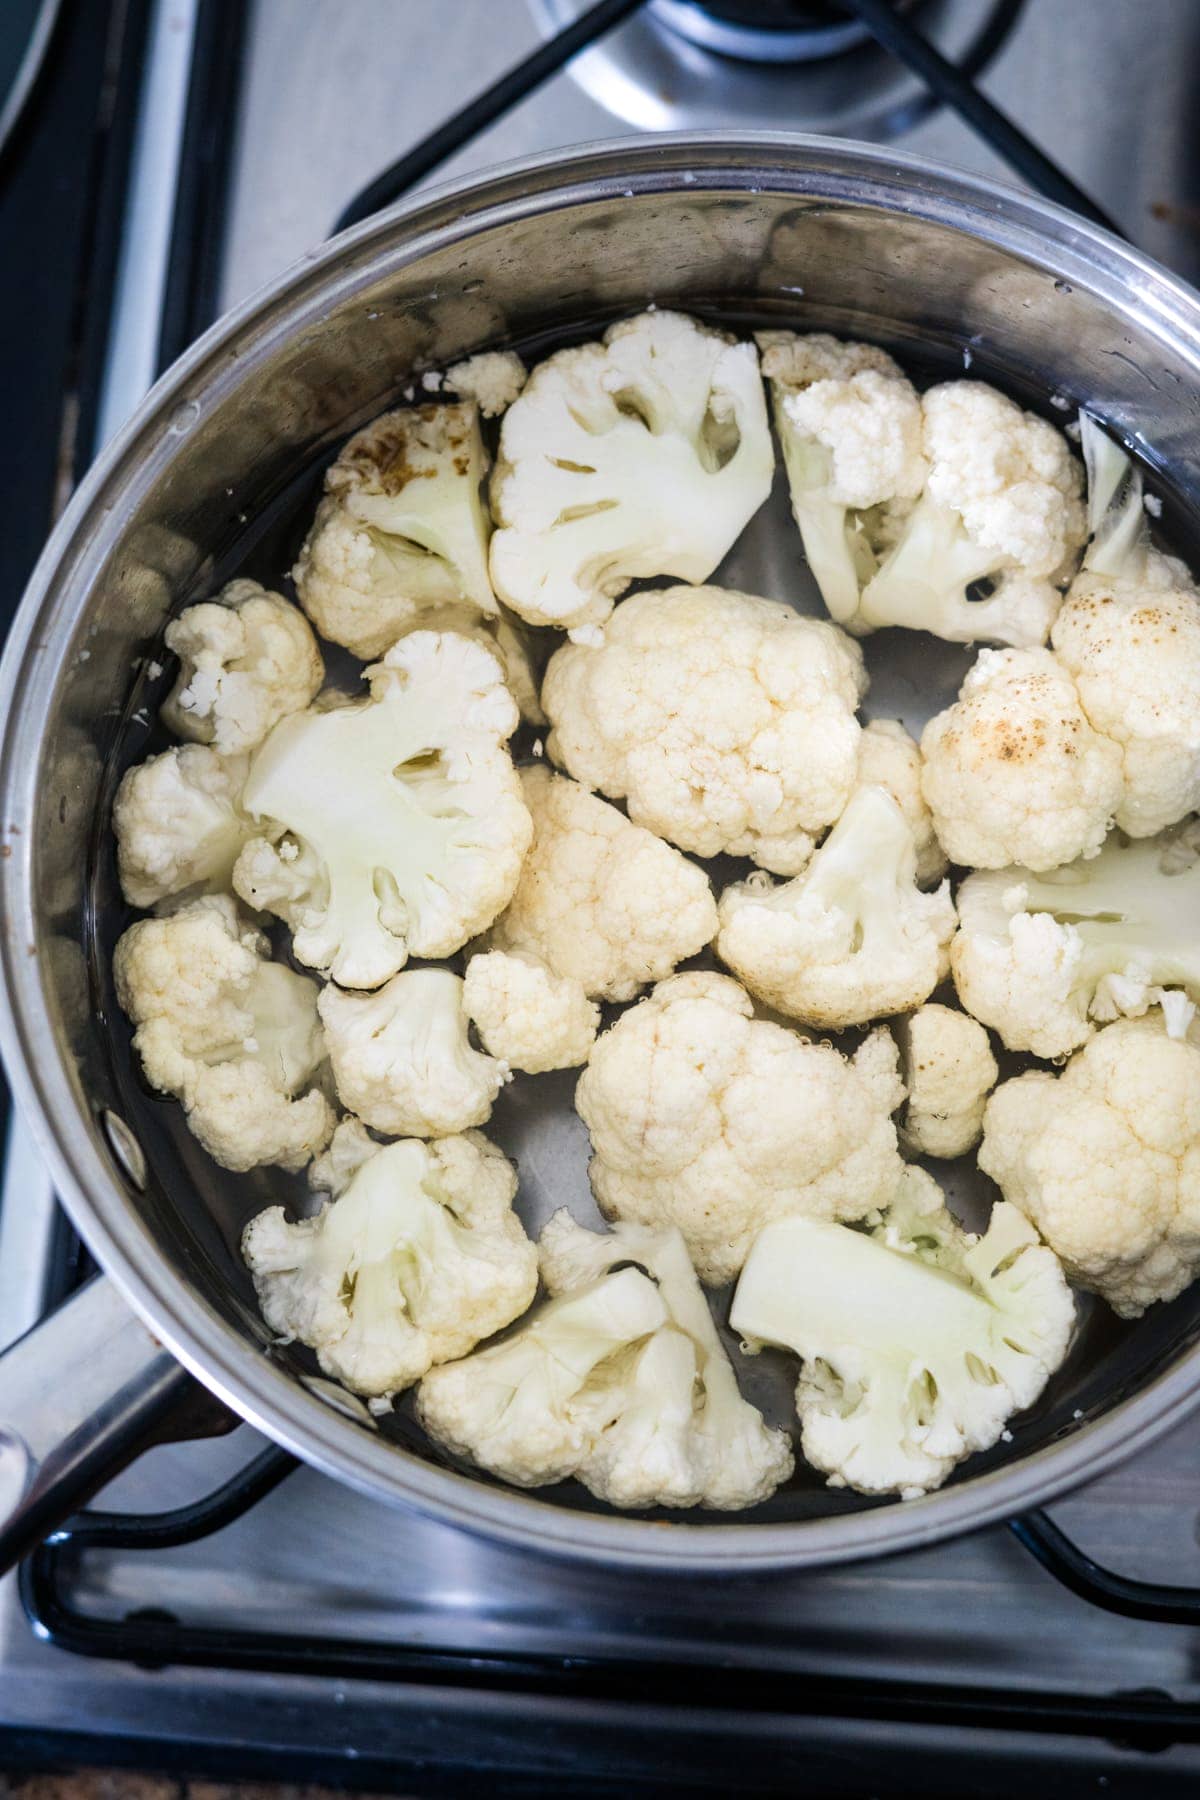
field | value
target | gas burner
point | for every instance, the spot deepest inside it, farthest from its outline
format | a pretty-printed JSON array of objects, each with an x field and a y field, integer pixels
[{"x": 764, "y": 31}]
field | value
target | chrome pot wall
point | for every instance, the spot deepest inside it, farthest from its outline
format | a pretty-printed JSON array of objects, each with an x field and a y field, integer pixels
[{"x": 794, "y": 230}]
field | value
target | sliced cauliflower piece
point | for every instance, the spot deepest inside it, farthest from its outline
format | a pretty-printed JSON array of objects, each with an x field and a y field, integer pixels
[
  {"x": 401, "y": 529},
  {"x": 888, "y": 758},
  {"x": 492, "y": 378},
  {"x": 417, "y": 1257},
  {"x": 1105, "y": 1161},
  {"x": 704, "y": 1117},
  {"x": 247, "y": 658},
  {"x": 600, "y": 901},
  {"x": 179, "y": 824},
  {"x": 1014, "y": 772},
  {"x": 402, "y": 1058},
  {"x": 851, "y": 938},
  {"x": 918, "y": 1341},
  {"x": 232, "y": 1035},
  {"x": 642, "y": 455},
  {"x": 948, "y": 1069},
  {"x": 392, "y": 826},
  {"x": 723, "y": 1455},
  {"x": 1040, "y": 958},
  {"x": 529, "y": 1017},
  {"x": 726, "y": 722}
]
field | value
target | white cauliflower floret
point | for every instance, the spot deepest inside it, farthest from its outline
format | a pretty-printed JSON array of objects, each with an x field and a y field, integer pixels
[
  {"x": 948, "y": 1068},
  {"x": 642, "y": 455},
  {"x": 726, "y": 722},
  {"x": 704, "y": 1117},
  {"x": 402, "y": 1058},
  {"x": 714, "y": 1449},
  {"x": 248, "y": 658},
  {"x": 492, "y": 378},
  {"x": 1014, "y": 773},
  {"x": 888, "y": 758},
  {"x": 529, "y": 1017},
  {"x": 393, "y": 826},
  {"x": 178, "y": 823},
  {"x": 1105, "y": 1161},
  {"x": 401, "y": 529},
  {"x": 918, "y": 1340},
  {"x": 232, "y": 1035},
  {"x": 418, "y": 1257},
  {"x": 851, "y": 938},
  {"x": 600, "y": 900},
  {"x": 1039, "y": 958},
  {"x": 500, "y": 633}
]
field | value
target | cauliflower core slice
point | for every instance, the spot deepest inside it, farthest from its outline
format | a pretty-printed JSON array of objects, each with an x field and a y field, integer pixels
[
  {"x": 1039, "y": 958},
  {"x": 888, "y": 758},
  {"x": 642, "y": 455},
  {"x": 726, "y": 722},
  {"x": 394, "y": 826},
  {"x": 526, "y": 1015},
  {"x": 1014, "y": 772},
  {"x": 401, "y": 529},
  {"x": 712, "y": 1448},
  {"x": 178, "y": 823},
  {"x": 600, "y": 901},
  {"x": 417, "y": 1258},
  {"x": 918, "y": 1341},
  {"x": 851, "y": 938},
  {"x": 247, "y": 660},
  {"x": 402, "y": 1058},
  {"x": 948, "y": 1068},
  {"x": 232, "y": 1035},
  {"x": 707, "y": 1118},
  {"x": 1105, "y": 1161}
]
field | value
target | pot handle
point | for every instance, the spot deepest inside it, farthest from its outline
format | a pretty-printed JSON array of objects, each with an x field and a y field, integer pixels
[{"x": 80, "y": 1395}]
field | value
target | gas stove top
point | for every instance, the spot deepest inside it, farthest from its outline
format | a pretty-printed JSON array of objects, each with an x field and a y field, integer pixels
[{"x": 276, "y": 1623}]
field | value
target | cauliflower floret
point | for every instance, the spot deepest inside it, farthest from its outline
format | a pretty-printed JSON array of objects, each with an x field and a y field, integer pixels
[
  {"x": 417, "y": 1258},
  {"x": 1105, "y": 1161},
  {"x": 888, "y": 758},
  {"x": 725, "y": 721},
  {"x": 401, "y": 529},
  {"x": 492, "y": 378},
  {"x": 402, "y": 1058},
  {"x": 600, "y": 900},
  {"x": 713, "y": 1449},
  {"x": 1014, "y": 773},
  {"x": 949, "y": 1070},
  {"x": 232, "y": 1035},
  {"x": 642, "y": 455},
  {"x": 918, "y": 1341},
  {"x": 1039, "y": 958},
  {"x": 852, "y": 937},
  {"x": 704, "y": 1117},
  {"x": 393, "y": 826},
  {"x": 498, "y": 632},
  {"x": 528, "y": 1016},
  {"x": 179, "y": 824},
  {"x": 248, "y": 658}
]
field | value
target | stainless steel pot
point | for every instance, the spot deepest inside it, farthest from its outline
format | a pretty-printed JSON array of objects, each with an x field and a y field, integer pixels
[{"x": 942, "y": 267}]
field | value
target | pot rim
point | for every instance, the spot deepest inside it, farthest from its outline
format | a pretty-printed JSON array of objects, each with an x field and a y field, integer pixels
[{"x": 265, "y": 1395}]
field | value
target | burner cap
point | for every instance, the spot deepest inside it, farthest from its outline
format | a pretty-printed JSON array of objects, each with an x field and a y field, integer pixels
[{"x": 766, "y": 31}]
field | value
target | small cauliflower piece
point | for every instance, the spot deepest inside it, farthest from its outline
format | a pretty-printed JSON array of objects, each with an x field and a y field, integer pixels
[
  {"x": 392, "y": 826},
  {"x": 247, "y": 658},
  {"x": 418, "y": 1256},
  {"x": 918, "y": 1341},
  {"x": 1014, "y": 772},
  {"x": 1040, "y": 958},
  {"x": 725, "y": 721},
  {"x": 888, "y": 758},
  {"x": 642, "y": 455},
  {"x": 853, "y": 937},
  {"x": 492, "y": 378},
  {"x": 401, "y": 528},
  {"x": 232, "y": 1035},
  {"x": 179, "y": 823},
  {"x": 1105, "y": 1160},
  {"x": 529, "y": 1017},
  {"x": 721, "y": 1454},
  {"x": 600, "y": 901},
  {"x": 402, "y": 1058},
  {"x": 948, "y": 1068},
  {"x": 498, "y": 632},
  {"x": 704, "y": 1117}
]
